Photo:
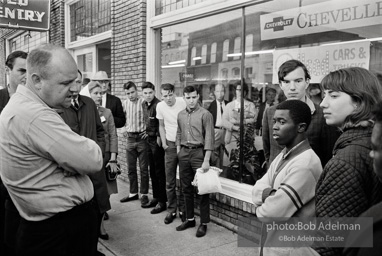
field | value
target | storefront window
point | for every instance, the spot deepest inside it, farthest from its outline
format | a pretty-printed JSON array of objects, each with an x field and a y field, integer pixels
[
  {"x": 165, "y": 6},
  {"x": 89, "y": 18},
  {"x": 27, "y": 41},
  {"x": 324, "y": 35}
]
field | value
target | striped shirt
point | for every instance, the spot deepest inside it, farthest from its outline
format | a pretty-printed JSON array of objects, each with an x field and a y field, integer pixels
[{"x": 135, "y": 121}]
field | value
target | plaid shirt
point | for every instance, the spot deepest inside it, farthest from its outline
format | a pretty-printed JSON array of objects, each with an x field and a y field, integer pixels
[{"x": 321, "y": 136}]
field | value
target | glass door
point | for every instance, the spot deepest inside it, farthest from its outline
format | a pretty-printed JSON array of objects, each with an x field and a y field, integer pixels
[{"x": 86, "y": 60}]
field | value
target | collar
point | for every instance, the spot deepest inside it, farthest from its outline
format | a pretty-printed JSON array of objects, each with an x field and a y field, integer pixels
[
  {"x": 296, "y": 150},
  {"x": 195, "y": 109},
  {"x": 152, "y": 102}
]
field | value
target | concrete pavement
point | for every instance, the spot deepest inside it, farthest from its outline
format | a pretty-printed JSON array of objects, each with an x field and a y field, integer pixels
[{"x": 134, "y": 231}]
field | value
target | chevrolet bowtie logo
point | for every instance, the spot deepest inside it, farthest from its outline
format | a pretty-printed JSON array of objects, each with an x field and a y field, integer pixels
[{"x": 278, "y": 23}]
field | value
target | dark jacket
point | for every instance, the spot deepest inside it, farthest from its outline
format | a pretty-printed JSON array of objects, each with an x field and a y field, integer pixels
[
  {"x": 348, "y": 186},
  {"x": 213, "y": 109},
  {"x": 150, "y": 116},
  {"x": 86, "y": 122},
  {"x": 115, "y": 105},
  {"x": 4, "y": 98}
]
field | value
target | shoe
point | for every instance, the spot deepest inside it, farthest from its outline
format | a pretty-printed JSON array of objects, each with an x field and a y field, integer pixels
[
  {"x": 144, "y": 200},
  {"x": 160, "y": 207},
  {"x": 170, "y": 217},
  {"x": 128, "y": 199},
  {"x": 150, "y": 204},
  {"x": 182, "y": 216},
  {"x": 185, "y": 225},
  {"x": 202, "y": 230},
  {"x": 105, "y": 216},
  {"x": 104, "y": 236}
]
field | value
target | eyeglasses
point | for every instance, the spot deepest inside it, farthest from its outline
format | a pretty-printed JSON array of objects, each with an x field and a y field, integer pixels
[{"x": 103, "y": 81}]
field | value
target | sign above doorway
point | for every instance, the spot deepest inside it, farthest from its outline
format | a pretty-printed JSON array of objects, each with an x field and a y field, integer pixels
[{"x": 25, "y": 14}]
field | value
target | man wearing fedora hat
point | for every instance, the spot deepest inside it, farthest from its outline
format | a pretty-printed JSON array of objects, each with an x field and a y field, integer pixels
[{"x": 110, "y": 101}]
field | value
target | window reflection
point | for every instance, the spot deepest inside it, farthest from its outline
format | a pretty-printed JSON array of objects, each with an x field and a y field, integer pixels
[{"x": 210, "y": 56}]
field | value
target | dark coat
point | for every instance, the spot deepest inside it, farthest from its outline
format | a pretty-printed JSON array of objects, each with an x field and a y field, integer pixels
[
  {"x": 259, "y": 120},
  {"x": 4, "y": 98},
  {"x": 86, "y": 122},
  {"x": 348, "y": 186},
  {"x": 213, "y": 109},
  {"x": 115, "y": 105}
]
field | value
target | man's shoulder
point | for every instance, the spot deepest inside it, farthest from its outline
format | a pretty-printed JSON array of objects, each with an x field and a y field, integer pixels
[
  {"x": 86, "y": 99},
  {"x": 112, "y": 98},
  {"x": 204, "y": 111}
]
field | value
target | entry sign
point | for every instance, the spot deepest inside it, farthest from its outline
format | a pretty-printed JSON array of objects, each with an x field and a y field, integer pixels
[{"x": 25, "y": 14}]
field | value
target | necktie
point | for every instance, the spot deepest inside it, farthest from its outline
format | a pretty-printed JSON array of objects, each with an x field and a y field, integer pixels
[
  {"x": 75, "y": 105},
  {"x": 221, "y": 108}
]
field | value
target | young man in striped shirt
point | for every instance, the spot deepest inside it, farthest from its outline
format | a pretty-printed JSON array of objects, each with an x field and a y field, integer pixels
[{"x": 135, "y": 133}]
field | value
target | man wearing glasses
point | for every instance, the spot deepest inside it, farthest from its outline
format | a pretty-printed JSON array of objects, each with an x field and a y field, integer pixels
[
  {"x": 110, "y": 101},
  {"x": 294, "y": 79}
]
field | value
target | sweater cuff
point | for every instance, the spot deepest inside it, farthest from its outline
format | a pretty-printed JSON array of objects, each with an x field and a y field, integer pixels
[{"x": 266, "y": 192}]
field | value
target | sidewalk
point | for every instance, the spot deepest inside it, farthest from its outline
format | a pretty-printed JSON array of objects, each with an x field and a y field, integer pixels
[{"x": 134, "y": 231}]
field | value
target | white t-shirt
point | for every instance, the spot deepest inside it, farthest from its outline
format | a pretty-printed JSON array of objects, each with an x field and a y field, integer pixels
[{"x": 170, "y": 116}]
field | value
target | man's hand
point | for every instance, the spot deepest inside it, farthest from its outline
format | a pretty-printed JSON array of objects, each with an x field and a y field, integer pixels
[
  {"x": 233, "y": 121},
  {"x": 143, "y": 135},
  {"x": 159, "y": 142},
  {"x": 125, "y": 134},
  {"x": 206, "y": 165},
  {"x": 164, "y": 146}
]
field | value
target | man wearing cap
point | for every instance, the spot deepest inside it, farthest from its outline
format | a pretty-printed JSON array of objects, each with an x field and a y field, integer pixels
[{"x": 110, "y": 101}]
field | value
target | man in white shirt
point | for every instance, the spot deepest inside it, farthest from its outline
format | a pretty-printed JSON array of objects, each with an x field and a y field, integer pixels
[{"x": 167, "y": 114}]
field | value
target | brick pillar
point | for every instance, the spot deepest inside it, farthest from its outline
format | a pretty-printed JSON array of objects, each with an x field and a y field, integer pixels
[
  {"x": 128, "y": 54},
  {"x": 57, "y": 23}
]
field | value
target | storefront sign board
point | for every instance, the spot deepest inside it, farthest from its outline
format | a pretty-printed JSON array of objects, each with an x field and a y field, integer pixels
[
  {"x": 321, "y": 17},
  {"x": 25, "y": 14},
  {"x": 320, "y": 60}
]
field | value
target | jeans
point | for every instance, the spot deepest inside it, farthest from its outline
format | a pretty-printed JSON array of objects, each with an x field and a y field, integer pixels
[
  {"x": 189, "y": 161},
  {"x": 157, "y": 169},
  {"x": 137, "y": 148},
  {"x": 171, "y": 162}
]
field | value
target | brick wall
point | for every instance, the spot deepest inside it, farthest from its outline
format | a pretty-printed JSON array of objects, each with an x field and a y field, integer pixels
[
  {"x": 57, "y": 23},
  {"x": 128, "y": 54},
  {"x": 3, "y": 78}
]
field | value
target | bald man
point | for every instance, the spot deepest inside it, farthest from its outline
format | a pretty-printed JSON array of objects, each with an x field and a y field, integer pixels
[{"x": 45, "y": 164}]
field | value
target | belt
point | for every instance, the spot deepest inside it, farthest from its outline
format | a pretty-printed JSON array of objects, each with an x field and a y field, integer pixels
[
  {"x": 217, "y": 127},
  {"x": 133, "y": 134},
  {"x": 193, "y": 147}
]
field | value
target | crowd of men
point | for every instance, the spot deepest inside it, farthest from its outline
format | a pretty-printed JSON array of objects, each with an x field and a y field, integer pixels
[{"x": 51, "y": 205}]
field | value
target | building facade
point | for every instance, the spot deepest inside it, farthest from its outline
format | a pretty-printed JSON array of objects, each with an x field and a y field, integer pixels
[{"x": 204, "y": 43}]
